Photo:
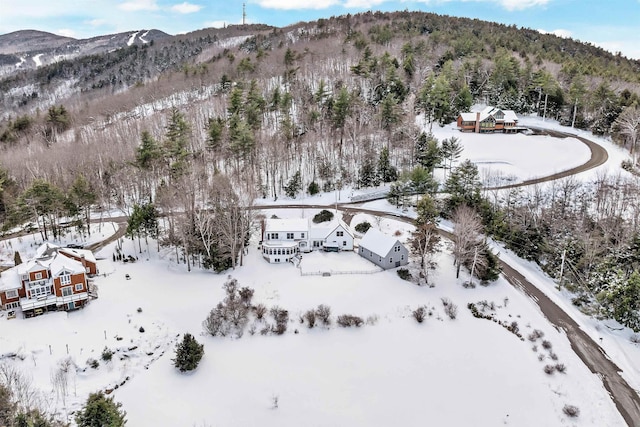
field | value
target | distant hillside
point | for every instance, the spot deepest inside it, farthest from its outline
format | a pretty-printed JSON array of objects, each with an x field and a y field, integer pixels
[
  {"x": 26, "y": 41},
  {"x": 28, "y": 50}
]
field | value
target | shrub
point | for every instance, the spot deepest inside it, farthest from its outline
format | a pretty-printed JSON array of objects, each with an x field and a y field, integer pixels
[
  {"x": 100, "y": 410},
  {"x": 281, "y": 317},
  {"x": 537, "y": 333},
  {"x": 419, "y": 314},
  {"x": 546, "y": 345},
  {"x": 404, "y": 274},
  {"x": 635, "y": 338},
  {"x": 141, "y": 330},
  {"x": 310, "y": 317},
  {"x": 348, "y": 320},
  {"x": 323, "y": 312},
  {"x": 260, "y": 310},
  {"x": 323, "y": 216},
  {"x": 560, "y": 367},
  {"x": 313, "y": 188},
  {"x": 93, "y": 363},
  {"x": 189, "y": 352},
  {"x": 549, "y": 369},
  {"x": 450, "y": 308},
  {"x": 363, "y": 227},
  {"x": 107, "y": 354},
  {"x": 571, "y": 411}
]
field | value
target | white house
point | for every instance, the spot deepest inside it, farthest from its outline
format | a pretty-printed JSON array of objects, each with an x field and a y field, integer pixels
[
  {"x": 382, "y": 250},
  {"x": 283, "y": 239}
]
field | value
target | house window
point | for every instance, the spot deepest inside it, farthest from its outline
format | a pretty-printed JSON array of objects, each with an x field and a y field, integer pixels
[
  {"x": 65, "y": 279},
  {"x": 274, "y": 236},
  {"x": 13, "y": 293},
  {"x": 390, "y": 260},
  {"x": 11, "y": 305},
  {"x": 402, "y": 258},
  {"x": 38, "y": 276},
  {"x": 40, "y": 291},
  {"x": 289, "y": 235},
  {"x": 302, "y": 235},
  {"x": 67, "y": 291},
  {"x": 344, "y": 243},
  {"x": 79, "y": 287},
  {"x": 340, "y": 233}
]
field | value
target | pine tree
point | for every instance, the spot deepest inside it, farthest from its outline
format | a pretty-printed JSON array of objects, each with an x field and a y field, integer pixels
[
  {"x": 386, "y": 172},
  {"x": 188, "y": 353},
  {"x": 101, "y": 411},
  {"x": 294, "y": 185},
  {"x": 17, "y": 259}
]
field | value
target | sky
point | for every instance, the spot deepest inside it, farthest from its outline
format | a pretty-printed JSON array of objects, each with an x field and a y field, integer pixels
[{"x": 611, "y": 24}]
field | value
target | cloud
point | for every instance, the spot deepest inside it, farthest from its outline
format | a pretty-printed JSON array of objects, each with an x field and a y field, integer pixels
[
  {"x": 565, "y": 34},
  {"x": 362, "y": 4},
  {"x": 137, "y": 5},
  {"x": 97, "y": 22},
  {"x": 297, "y": 4},
  {"x": 521, "y": 4},
  {"x": 65, "y": 32},
  {"x": 186, "y": 8}
]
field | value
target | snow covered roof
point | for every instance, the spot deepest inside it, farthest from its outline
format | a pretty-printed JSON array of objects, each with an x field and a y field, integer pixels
[
  {"x": 510, "y": 116},
  {"x": 79, "y": 253},
  {"x": 61, "y": 262},
  {"x": 46, "y": 249},
  {"x": 322, "y": 230},
  {"x": 490, "y": 112},
  {"x": 377, "y": 242},
  {"x": 10, "y": 279},
  {"x": 468, "y": 117},
  {"x": 286, "y": 224}
]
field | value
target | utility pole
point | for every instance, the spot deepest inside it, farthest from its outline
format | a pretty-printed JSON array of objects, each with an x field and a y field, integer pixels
[
  {"x": 244, "y": 14},
  {"x": 564, "y": 254},
  {"x": 575, "y": 110}
]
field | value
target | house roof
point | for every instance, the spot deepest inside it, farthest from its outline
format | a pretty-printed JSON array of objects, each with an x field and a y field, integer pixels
[
  {"x": 286, "y": 224},
  {"x": 61, "y": 262},
  {"x": 322, "y": 230},
  {"x": 468, "y": 117},
  {"x": 377, "y": 242},
  {"x": 10, "y": 279},
  {"x": 490, "y": 112},
  {"x": 79, "y": 253},
  {"x": 46, "y": 249}
]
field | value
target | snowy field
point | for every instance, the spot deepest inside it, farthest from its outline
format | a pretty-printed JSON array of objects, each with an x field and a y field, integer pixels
[
  {"x": 511, "y": 158},
  {"x": 391, "y": 371}
]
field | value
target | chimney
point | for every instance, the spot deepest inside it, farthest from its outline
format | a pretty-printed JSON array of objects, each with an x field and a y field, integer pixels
[{"x": 477, "y": 122}]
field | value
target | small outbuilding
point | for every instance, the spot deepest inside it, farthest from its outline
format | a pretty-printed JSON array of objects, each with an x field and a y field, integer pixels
[{"x": 382, "y": 250}]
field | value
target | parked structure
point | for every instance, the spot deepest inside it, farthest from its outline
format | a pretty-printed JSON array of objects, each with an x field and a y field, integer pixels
[
  {"x": 55, "y": 279},
  {"x": 491, "y": 119},
  {"x": 382, "y": 250},
  {"x": 283, "y": 239}
]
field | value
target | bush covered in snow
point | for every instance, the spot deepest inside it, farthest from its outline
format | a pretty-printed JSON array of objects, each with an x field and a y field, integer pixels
[{"x": 348, "y": 320}]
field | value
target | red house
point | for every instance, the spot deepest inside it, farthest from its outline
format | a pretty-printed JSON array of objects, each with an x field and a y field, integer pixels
[
  {"x": 491, "y": 119},
  {"x": 56, "y": 279}
]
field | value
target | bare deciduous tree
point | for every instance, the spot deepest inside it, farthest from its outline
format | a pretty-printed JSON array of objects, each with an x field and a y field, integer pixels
[{"x": 467, "y": 237}]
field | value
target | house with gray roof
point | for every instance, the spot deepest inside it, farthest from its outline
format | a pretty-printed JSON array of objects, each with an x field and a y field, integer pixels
[{"x": 382, "y": 250}]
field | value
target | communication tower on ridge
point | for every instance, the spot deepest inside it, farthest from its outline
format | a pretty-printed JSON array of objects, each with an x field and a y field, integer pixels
[{"x": 244, "y": 13}]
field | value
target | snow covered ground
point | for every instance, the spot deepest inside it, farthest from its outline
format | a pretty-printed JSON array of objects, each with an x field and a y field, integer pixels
[
  {"x": 514, "y": 158},
  {"x": 391, "y": 371}
]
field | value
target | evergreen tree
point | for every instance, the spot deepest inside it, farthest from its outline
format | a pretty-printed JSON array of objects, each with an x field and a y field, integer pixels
[
  {"x": 17, "y": 259},
  {"x": 294, "y": 185},
  {"x": 100, "y": 411},
  {"x": 215, "y": 133},
  {"x": 367, "y": 175},
  {"x": 148, "y": 153},
  {"x": 188, "y": 353},
  {"x": 427, "y": 151},
  {"x": 386, "y": 172},
  {"x": 623, "y": 301},
  {"x": 82, "y": 196},
  {"x": 464, "y": 187},
  {"x": 176, "y": 145}
]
